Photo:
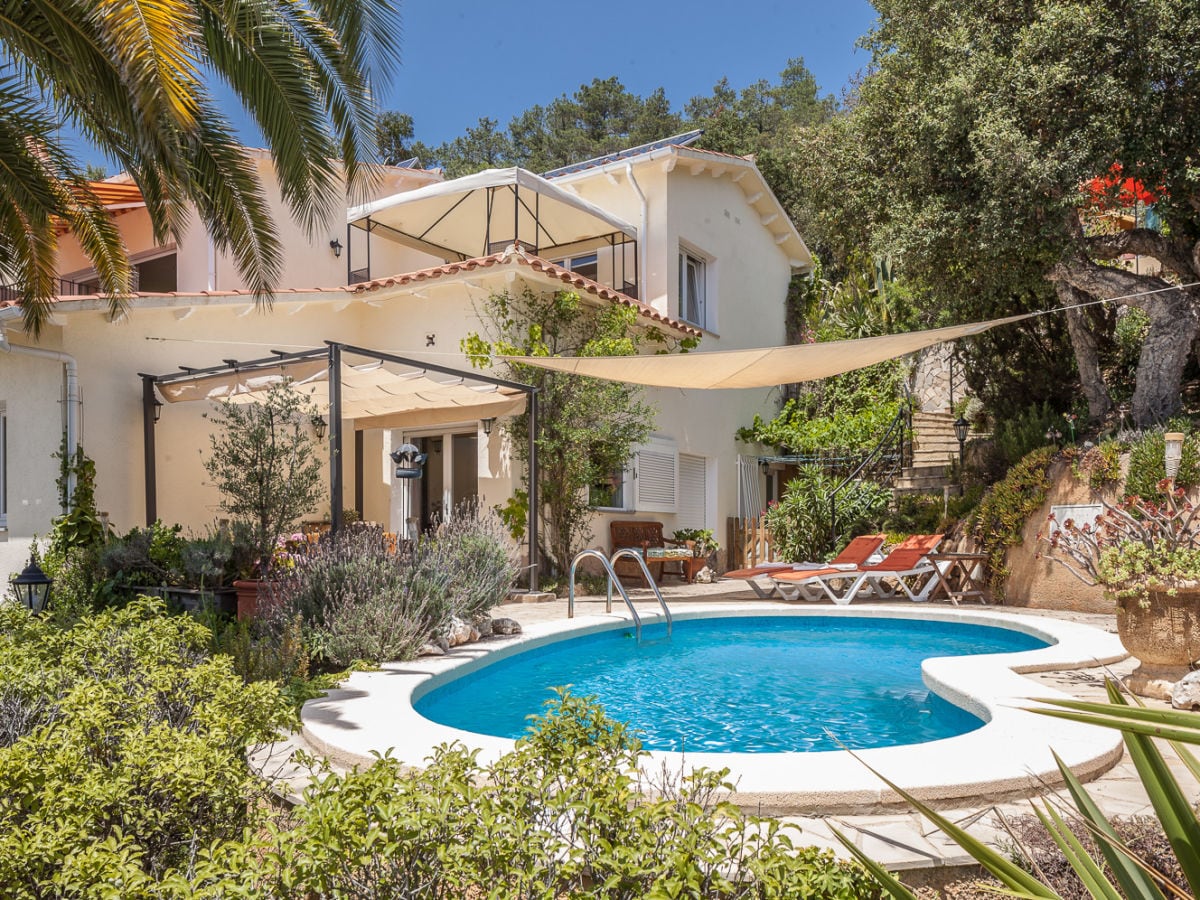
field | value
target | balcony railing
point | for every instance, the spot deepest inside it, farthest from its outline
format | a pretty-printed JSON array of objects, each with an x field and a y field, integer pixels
[{"x": 64, "y": 287}]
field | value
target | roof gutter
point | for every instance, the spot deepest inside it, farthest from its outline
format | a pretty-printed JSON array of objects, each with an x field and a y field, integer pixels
[{"x": 74, "y": 407}]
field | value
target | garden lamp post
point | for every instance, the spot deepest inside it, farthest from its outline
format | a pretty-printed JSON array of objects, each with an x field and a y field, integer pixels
[
  {"x": 961, "y": 428},
  {"x": 32, "y": 587},
  {"x": 1172, "y": 454}
]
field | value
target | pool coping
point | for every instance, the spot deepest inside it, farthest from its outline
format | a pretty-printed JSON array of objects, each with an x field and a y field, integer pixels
[{"x": 372, "y": 713}]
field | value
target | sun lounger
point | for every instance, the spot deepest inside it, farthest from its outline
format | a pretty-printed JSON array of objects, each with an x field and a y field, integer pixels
[
  {"x": 905, "y": 566},
  {"x": 853, "y": 555}
]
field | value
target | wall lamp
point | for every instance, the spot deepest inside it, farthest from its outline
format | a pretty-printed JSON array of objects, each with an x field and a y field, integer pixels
[
  {"x": 336, "y": 246},
  {"x": 319, "y": 426},
  {"x": 158, "y": 405},
  {"x": 487, "y": 425}
]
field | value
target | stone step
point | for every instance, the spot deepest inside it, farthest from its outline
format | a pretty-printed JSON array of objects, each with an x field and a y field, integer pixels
[{"x": 920, "y": 485}]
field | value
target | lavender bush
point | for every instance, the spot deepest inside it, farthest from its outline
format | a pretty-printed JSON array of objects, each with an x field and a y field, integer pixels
[{"x": 480, "y": 557}]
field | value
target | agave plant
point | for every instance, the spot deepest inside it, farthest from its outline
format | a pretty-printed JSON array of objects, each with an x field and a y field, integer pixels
[{"x": 1131, "y": 876}]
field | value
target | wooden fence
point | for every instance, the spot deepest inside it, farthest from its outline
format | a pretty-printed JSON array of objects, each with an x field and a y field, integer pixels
[{"x": 748, "y": 542}]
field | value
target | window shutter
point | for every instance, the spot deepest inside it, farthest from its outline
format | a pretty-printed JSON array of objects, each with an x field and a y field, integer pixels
[
  {"x": 656, "y": 477},
  {"x": 693, "y": 492}
]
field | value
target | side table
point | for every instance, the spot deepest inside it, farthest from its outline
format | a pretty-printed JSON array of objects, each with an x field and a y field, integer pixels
[{"x": 958, "y": 576}]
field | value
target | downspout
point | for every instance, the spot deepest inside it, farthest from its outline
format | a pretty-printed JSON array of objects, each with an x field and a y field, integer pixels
[
  {"x": 641, "y": 246},
  {"x": 74, "y": 406}
]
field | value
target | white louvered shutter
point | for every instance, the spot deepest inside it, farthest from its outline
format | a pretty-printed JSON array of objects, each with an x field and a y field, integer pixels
[
  {"x": 693, "y": 492},
  {"x": 656, "y": 477}
]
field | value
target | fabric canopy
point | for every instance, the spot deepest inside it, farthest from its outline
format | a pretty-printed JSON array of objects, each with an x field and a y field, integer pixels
[
  {"x": 763, "y": 367},
  {"x": 477, "y": 214},
  {"x": 374, "y": 395}
]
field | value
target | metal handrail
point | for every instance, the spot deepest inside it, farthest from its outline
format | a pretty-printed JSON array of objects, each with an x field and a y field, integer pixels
[
  {"x": 633, "y": 554},
  {"x": 612, "y": 576}
]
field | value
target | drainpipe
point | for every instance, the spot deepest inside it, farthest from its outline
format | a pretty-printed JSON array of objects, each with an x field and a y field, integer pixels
[
  {"x": 71, "y": 378},
  {"x": 641, "y": 247}
]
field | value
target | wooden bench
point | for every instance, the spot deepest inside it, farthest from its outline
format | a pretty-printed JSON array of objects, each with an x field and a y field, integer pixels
[{"x": 642, "y": 536}]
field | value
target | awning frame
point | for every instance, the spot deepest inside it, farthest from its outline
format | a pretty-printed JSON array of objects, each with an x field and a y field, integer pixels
[{"x": 333, "y": 352}]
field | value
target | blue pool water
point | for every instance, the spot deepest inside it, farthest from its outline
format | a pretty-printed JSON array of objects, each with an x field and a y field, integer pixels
[{"x": 748, "y": 684}]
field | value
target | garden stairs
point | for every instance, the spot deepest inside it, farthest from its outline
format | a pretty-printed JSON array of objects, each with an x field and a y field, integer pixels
[{"x": 935, "y": 450}]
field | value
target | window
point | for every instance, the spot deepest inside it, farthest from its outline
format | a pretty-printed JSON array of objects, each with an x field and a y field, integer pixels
[
  {"x": 693, "y": 289},
  {"x": 587, "y": 265},
  {"x": 613, "y": 492}
]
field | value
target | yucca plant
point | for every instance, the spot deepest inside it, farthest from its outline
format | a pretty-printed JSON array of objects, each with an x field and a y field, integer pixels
[{"x": 1128, "y": 875}]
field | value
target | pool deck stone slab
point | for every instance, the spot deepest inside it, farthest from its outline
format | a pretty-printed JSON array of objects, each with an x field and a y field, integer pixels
[{"x": 373, "y": 712}]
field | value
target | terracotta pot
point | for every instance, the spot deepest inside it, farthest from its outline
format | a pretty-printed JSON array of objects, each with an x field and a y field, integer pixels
[
  {"x": 247, "y": 598},
  {"x": 1163, "y": 632}
]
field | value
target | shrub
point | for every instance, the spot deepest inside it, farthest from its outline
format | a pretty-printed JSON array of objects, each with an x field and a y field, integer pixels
[
  {"x": 145, "y": 556},
  {"x": 1100, "y": 465},
  {"x": 1147, "y": 467},
  {"x": 1001, "y": 515},
  {"x": 121, "y": 752},
  {"x": 800, "y": 523},
  {"x": 359, "y": 601},
  {"x": 1036, "y": 427},
  {"x": 561, "y": 816},
  {"x": 929, "y": 513},
  {"x": 480, "y": 557}
]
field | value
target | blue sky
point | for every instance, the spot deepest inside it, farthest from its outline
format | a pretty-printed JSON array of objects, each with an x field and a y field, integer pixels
[{"x": 464, "y": 59}]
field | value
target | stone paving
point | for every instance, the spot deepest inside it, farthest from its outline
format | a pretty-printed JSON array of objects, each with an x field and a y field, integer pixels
[{"x": 903, "y": 840}]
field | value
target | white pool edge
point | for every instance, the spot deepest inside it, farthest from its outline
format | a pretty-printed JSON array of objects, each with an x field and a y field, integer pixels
[{"x": 1012, "y": 753}]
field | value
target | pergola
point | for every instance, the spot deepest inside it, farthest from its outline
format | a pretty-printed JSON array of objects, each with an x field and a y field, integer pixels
[{"x": 382, "y": 391}]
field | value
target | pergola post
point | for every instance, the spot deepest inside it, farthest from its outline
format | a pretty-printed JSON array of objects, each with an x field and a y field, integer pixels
[
  {"x": 148, "y": 450},
  {"x": 335, "y": 437},
  {"x": 534, "y": 562}
]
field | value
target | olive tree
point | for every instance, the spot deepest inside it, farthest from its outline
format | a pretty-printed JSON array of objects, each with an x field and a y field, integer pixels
[
  {"x": 262, "y": 461},
  {"x": 587, "y": 428}
]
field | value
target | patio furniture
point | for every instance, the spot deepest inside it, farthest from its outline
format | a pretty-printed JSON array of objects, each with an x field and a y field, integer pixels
[
  {"x": 647, "y": 539},
  {"x": 906, "y": 563},
  {"x": 854, "y": 554},
  {"x": 958, "y": 576}
]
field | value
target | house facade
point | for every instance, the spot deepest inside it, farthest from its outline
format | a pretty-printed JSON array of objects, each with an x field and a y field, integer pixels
[{"x": 694, "y": 241}]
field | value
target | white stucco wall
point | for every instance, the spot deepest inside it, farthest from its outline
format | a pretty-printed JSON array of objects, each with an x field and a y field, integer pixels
[{"x": 748, "y": 278}]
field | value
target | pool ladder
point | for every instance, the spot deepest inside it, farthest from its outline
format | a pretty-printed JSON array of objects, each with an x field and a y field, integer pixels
[{"x": 609, "y": 563}]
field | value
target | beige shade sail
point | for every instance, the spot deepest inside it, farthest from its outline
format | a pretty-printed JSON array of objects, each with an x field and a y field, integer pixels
[
  {"x": 762, "y": 367},
  {"x": 374, "y": 395}
]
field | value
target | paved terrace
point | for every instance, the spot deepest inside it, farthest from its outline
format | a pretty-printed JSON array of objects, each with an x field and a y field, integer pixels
[{"x": 899, "y": 838}]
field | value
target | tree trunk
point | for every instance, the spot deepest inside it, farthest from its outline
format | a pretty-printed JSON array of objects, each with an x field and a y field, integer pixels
[
  {"x": 1087, "y": 357},
  {"x": 1173, "y": 327}
]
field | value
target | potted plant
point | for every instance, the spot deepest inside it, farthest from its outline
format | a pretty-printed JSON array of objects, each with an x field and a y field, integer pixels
[
  {"x": 704, "y": 549},
  {"x": 264, "y": 464},
  {"x": 1146, "y": 555}
]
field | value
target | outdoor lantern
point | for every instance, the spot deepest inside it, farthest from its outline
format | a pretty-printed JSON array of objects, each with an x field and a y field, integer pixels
[
  {"x": 409, "y": 460},
  {"x": 1173, "y": 454},
  {"x": 961, "y": 428},
  {"x": 487, "y": 425},
  {"x": 158, "y": 405},
  {"x": 336, "y": 246},
  {"x": 33, "y": 587},
  {"x": 319, "y": 425}
]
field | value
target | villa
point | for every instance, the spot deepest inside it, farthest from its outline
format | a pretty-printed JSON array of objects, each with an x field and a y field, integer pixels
[{"x": 693, "y": 240}]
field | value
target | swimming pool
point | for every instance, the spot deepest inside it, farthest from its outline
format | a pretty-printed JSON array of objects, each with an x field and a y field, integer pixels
[
  {"x": 1013, "y": 752},
  {"x": 746, "y": 685}
]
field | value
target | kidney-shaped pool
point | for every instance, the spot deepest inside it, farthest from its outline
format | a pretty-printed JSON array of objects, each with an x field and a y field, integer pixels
[{"x": 754, "y": 684}]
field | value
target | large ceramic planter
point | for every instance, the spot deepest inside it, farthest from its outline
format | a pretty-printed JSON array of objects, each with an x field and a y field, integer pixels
[{"x": 1163, "y": 632}]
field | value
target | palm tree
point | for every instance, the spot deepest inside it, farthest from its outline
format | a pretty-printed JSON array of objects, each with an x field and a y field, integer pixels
[{"x": 135, "y": 78}]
